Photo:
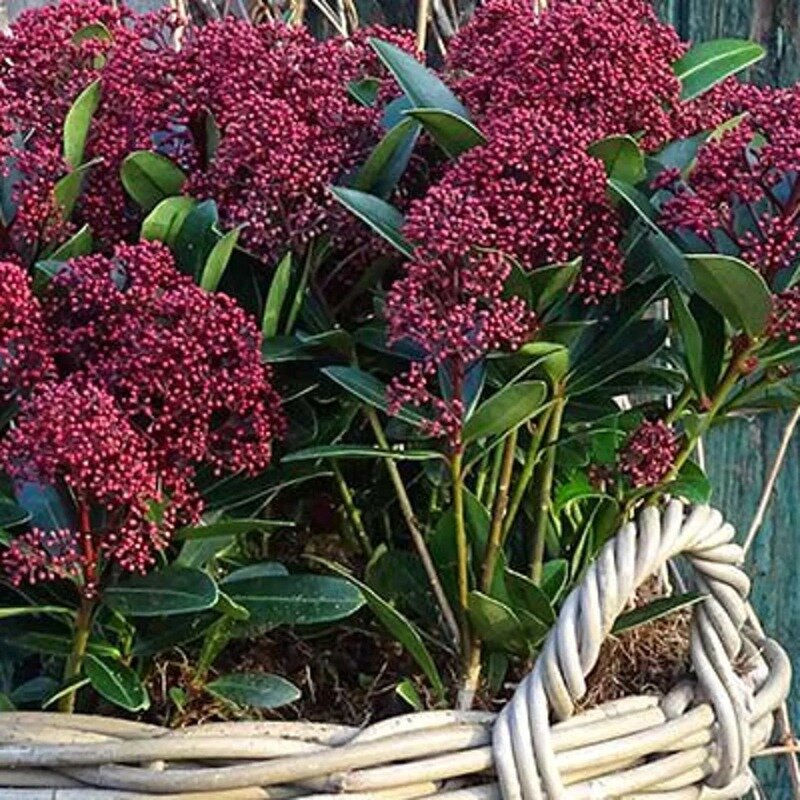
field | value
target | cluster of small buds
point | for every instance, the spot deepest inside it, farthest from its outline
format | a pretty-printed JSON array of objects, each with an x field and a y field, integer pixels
[
  {"x": 72, "y": 436},
  {"x": 25, "y": 353},
  {"x": 183, "y": 364},
  {"x": 574, "y": 56},
  {"x": 51, "y": 55},
  {"x": 785, "y": 320},
  {"x": 744, "y": 190},
  {"x": 290, "y": 128},
  {"x": 649, "y": 454}
]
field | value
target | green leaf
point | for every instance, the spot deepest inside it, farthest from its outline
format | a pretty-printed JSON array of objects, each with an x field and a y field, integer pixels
[
  {"x": 79, "y": 244},
  {"x": 358, "y": 451},
  {"x": 388, "y": 161},
  {"x": 150, "y": 177},
  {"x": 67, "y": 190},
  {"x": 254, "y": 690},
  {"x": 525, "y": 594},
  {"x": 196, "y": 238},
  {"x": 643, "y": 340},
  {"x": 371, "y": 391},
  {"x": 365, "y": 91},
  {"x": 379, "y": 215},
  {"x": 422, "y": 87},
  {"x": 691, "y": 339},
  {"x": 735, "y": 289},
  {"x": 12, "y": 514},
  {"x": 277, "y": 296},
  {"x": 47, "y": 508},
  {"x": 452, "y": 132},
  {"x": 655, "y": 610},
  {"x": 231, "y": 609},
  {"x": 94, "y": 30},
  {"x": 217, "y": 261},
  {"x": 409, "y": 694},
  {"x": 710, "y": 63},
  {"x": 510, "y": 407},
  {"x": 551, "y": 283},
  {"x": 555, "y": 575},
  {"x": 266, "y": 569},
  {"x": 116, "y": 683},
  {"x": 622, "y": 157},
  {"x": 497, "y": 625},
  {"x": 164, "y": 222},
  {"x": 31, "y": 611},
  {"x": 296, "y": 599},
  {"x": 77, "y": 123},
  {"x": 401, "y": 628},
  {"x": 692, "y": 484},
  {"x": 228, "y": 527},
  {"x": 173, "y": 590}
]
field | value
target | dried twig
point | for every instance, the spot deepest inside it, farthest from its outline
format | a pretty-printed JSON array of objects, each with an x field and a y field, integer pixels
[
  {"x": 769, "y": 486},
  {"x": 423, "y": 14}
]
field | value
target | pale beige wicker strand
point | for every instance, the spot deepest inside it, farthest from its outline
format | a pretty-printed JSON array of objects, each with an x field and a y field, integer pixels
[{"x": 693, "y": 744}]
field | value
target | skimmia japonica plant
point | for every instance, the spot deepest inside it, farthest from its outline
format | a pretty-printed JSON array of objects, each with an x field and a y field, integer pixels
[{"x": 240, "y": 263}]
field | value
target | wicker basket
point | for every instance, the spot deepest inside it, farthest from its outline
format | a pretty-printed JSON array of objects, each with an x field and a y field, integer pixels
[{"x": 695, "y": 742}]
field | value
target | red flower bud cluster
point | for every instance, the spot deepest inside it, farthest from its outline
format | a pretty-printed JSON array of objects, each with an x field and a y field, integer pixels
[
  {"x": 289, "y": 128},
  {"x": 156, "y": 378},
  {"x": 183, "y": 364},
  {"x": 51, "y": 55},
  {"x": 649, "y": 454},
  {"x": 743, "y": 195},
  {"x": 73, "y": 437},
  {"x": 607, "y": 62},
  {"x": 25, "y": 356}
]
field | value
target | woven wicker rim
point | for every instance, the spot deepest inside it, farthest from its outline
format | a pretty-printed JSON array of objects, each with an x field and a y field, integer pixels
[{"x": 695, "y": 743}]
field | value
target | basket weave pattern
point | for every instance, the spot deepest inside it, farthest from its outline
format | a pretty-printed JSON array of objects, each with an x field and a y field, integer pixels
[{"x": 695, "y": 743}]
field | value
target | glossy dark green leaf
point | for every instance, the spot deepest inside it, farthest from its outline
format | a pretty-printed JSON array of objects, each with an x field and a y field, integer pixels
[
  {"x": 254, "y": 690},
  {"x": 452, "y": 132},
  {"x": 525, "y": 594},
  {"x": 265, "y": 569},
  {"x": 77, "y": 123},
  {"x": 164, "y": 222},
  {"x": 47, "y": 508},
  {"x": 11, "y": 513},
  {"x": 692, "y": 484},
  {"x": 217, "y": 261},
  {"x": 296, "y": 599},
  {"x": 379, "y": 215},
  {"x": 643, "y": 340},
  {"x": 196, "y": 238},
  {"x": 94, "y": 30},
  {"x": 506, "y": 410},
  {"x": 371, "y": 391},
  {"x": 229, "y": 527},
  {"x": 173, "y": 590},
  {"x": 551, "y": 283},
  {"x": 276, "y": 297},
  {"x": 422, "y": 87},
  {"x": 401, "y": 628},
  {"x": 555, "y": 575},
  {"x": 79, "y": 244},
  {"x": 360, "y": 452},
  {"x": 497, "y": 625},
  {"x": 364, "y": 91},
  {"x": 691, "y": 340},
  {"x": 710, "y": 63},
  {"x": 150, "y": 177},
  {"x": 67, "y": 190},
  {"x": 158, "y": 634},
  {"x": 117, "y": 683},
  {"x": 734, "y": 289},
  {"x": 388, "y": 161},
  {"x": 658, "y": 609},
  {"x": 622, "y": 157},
  {"x": 33, "y": 611}
]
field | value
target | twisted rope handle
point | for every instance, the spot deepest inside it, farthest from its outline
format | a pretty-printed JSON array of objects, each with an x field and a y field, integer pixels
[{"x": 522, "y": 741}]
